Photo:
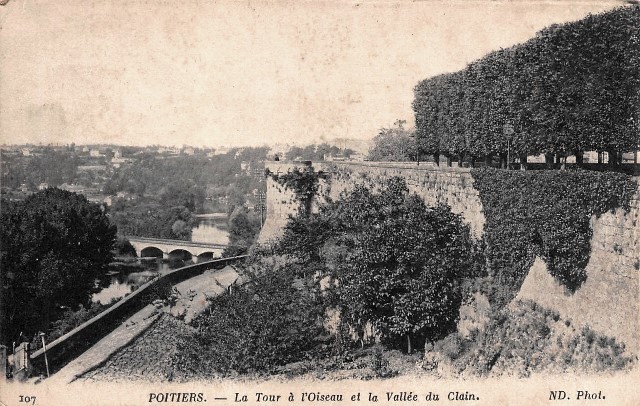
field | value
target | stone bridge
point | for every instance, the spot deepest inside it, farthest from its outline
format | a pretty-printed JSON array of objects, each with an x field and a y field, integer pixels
[{"x": 175, "y": 249}]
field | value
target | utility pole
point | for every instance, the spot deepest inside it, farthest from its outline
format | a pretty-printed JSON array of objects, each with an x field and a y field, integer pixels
[
  {"x": 44, "y": 349},
  {"x": 262, "y": 197}
]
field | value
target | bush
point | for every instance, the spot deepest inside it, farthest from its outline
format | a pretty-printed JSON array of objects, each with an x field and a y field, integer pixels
[{"x": 272, "y": 320}]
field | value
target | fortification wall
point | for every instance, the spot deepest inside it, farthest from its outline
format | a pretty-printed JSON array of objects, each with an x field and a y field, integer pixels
[
  {"x": 608, "y": 301},
  {"x": 281, "y": 202},
  {"x": 450, "y": 185}
]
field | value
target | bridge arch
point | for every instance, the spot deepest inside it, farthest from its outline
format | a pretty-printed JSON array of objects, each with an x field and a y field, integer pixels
[
  {"x": 151, "y": 251},
  {"x": 180, "y": 254},
  {"x": 205, "y": 256}
]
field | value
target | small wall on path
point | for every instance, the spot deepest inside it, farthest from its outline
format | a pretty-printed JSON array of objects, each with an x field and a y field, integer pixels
[{"x": 78, "y": 340}]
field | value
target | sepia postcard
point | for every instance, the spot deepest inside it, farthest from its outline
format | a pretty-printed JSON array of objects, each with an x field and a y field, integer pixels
[{"x": 283, "y": 202}]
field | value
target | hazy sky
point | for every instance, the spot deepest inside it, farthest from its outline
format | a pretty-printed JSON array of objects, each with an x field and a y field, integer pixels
[{"x": 239, "y": 73}]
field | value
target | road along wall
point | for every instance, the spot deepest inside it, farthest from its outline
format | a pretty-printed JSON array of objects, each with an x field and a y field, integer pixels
[
  {"x": 78, "y": 340},
  {"x": 609, "y": 299}
]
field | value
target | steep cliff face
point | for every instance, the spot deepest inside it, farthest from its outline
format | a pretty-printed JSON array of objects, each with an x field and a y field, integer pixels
[{"x": 609, "y": 299}]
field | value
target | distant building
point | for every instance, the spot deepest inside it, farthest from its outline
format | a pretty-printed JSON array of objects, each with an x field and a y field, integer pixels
[
  {"x": 92, "y": 168},
  {"x": 95, "y": 153},
  {"x": 220, "y": 151},
  {"x": 43, "y": 186},
  {"x": 334, "y": 158},
  {"x": 357, "y": 157},
  {"x": 245, "y": 166},
  {"x": 116, "y": 162},
  {"x": 631, "y": 157},
  {"x": 73, "y": 188},
  {"x": 126, "y": 196},
  {"x": 26, "y": 152}
]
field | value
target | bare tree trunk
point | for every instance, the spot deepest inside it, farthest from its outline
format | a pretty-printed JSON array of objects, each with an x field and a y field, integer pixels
[
  {"x": 548, "y": 160},
  {"x": 523, "y": 162}
]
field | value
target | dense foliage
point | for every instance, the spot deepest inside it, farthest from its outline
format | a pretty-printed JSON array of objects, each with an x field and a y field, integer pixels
[
  {"x": 393, "y": 144},
  {"x": 187, "y": 180},
  {"x": 398, "y": 264},
  {"x": 552, "y": 95},
  {"x": 149, "y": 218},
  {"x": 304, "y": 183},
  {"x": 54, "y": 245},
  {"x": 271, "y": 320},
  {"x": 244, "y": 227},
  {"x": 52, "y": 167},
  {"x": 546, "y": 214}
]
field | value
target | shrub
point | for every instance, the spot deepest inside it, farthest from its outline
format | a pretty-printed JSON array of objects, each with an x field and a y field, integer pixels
[
  {"x": 526, "y": 338},
  {"x": 272, "y": 320}
]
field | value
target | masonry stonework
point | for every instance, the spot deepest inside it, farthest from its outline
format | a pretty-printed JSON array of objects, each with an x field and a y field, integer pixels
[{"x": 609, "y": 299}]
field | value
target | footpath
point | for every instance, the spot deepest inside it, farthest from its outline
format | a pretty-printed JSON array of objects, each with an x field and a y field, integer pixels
[{"x": 189, "y": 300}]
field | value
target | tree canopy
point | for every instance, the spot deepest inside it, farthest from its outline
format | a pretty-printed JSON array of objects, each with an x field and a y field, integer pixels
[
  {"x": 54, "y": 245},
  {"x": 271, "y": 320},
  {"x": 393, "y": 144},
  {"x": 574, "y": 87},
  {"x": 398, "y": 263}
]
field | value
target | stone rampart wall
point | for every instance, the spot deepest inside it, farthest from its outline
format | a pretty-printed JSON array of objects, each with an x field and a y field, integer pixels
[
  {"x": 450, "y": 185},
  {"x": 608, "y": 301}
]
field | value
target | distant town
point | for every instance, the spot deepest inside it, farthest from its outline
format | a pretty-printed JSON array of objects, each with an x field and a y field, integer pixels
[{"x": 87, "y": 169}]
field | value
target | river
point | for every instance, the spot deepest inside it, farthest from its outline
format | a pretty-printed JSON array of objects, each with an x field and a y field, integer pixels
[{"x": 125, "y": 277}]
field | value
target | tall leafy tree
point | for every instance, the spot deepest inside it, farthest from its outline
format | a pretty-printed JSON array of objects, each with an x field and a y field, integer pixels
[
  {"x": 393, "y": 144},
  {"x": 54, "y": 245},
  {"x": 398, "y": 263}
]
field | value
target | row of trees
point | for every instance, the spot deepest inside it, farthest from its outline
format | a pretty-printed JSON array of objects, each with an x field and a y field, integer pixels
[
  {"x": 575, "y": 87},
  {"x": 313, "y": 152}
]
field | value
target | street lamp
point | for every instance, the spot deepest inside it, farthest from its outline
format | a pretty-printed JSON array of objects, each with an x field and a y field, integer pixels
[{"x": 507, "y": 129}]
